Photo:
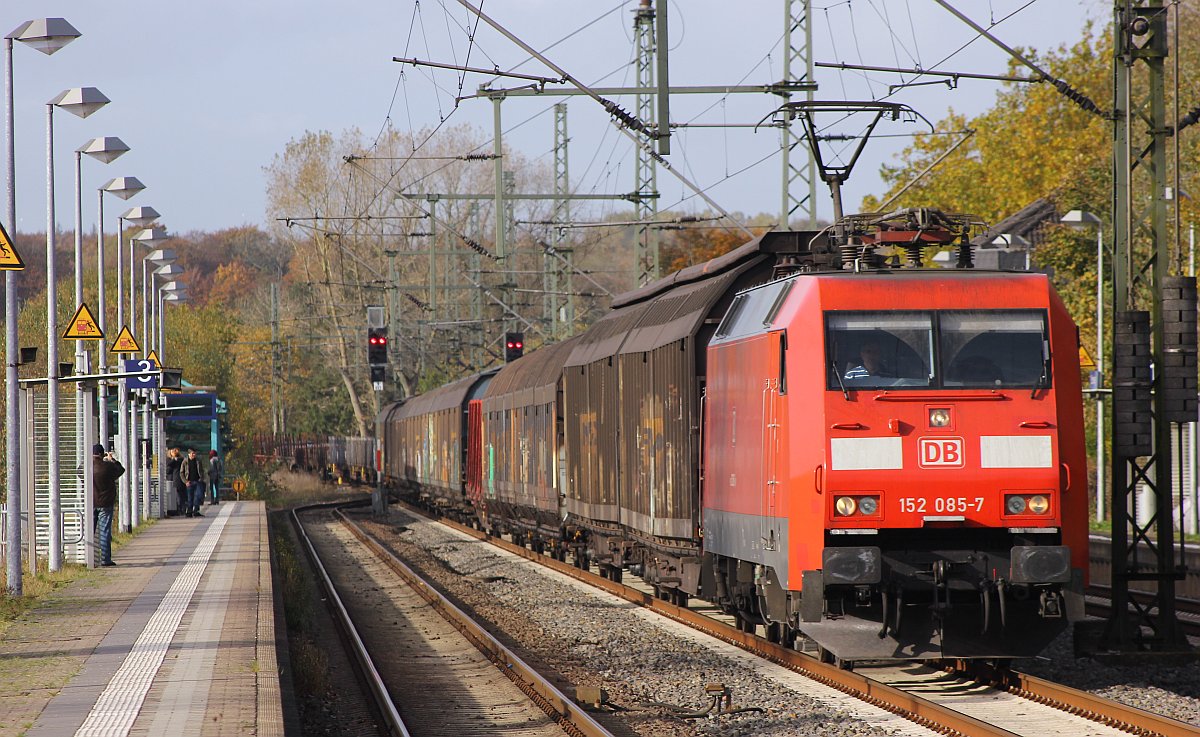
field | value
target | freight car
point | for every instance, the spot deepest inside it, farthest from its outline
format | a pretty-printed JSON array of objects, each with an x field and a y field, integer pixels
[{"x": 887, "y": 460}]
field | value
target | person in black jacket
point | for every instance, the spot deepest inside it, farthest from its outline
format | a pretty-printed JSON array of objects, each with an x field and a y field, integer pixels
[
  {"x": 191, "y": 473},
  {"x": 105, "y": 472},
  {"x": 174, "y": 461}
]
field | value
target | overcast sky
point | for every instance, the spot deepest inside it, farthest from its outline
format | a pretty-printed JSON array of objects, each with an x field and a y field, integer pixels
[{"x": 207, "y": 93}]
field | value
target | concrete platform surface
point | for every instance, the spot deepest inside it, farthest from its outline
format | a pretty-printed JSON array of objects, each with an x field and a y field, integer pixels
[{"x": 177, "y": 639}]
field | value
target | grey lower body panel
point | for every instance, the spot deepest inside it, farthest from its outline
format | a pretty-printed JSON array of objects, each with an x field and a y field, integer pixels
[{"x": 749, "y": 537}]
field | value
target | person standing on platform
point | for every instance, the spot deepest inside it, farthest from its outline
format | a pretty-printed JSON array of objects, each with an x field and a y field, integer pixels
[
  {"x": 216, "y": 469},
  {"x": 192, "y": 475},
  {"x": 105, "y": 472},
  {"x": 174, "y": 461}
]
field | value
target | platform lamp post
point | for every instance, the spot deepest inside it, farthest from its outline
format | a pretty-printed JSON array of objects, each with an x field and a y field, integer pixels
[
  {"x": 80, "y": 101},
  {"x": 173, "y": 292},
  {"x": 105, "y": 150},
  {"x": 159, "y": 257},
  {"x": 138, "y": 494},
  {"x": 47, "y": 35},
  {"x": 1083, "y": 219},
  {"x": 124, "y": 188},
  {"x": 169, "y": 275}
]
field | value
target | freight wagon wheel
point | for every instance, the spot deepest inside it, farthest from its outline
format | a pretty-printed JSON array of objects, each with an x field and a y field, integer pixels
[{"x": 679, "y": 598}]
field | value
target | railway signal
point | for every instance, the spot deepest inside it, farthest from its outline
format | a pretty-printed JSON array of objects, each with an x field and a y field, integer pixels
[
  {"x": 514, "y": 346},
  {"x": 377, "y": 346}
]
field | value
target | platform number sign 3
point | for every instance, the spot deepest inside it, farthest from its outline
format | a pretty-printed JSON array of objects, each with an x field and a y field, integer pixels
[
  {"x": 140, "y": 382},
  {"x": 940, "y": 453}
]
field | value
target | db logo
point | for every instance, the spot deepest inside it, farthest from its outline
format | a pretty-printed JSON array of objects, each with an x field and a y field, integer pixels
[{"x": 940, "y": 453}]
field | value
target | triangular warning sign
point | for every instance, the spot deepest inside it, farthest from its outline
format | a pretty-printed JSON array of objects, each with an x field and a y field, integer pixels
[
  {"x": 125, "y": 343},
  {"x": 1085, "y": 360},
  {"x": 153, "y": 359},
  {"x": 10, "y": 260},
  {"x": 83, "y": 326}
]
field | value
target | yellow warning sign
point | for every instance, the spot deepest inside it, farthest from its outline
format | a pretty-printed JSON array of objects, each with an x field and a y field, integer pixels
[
  {"x": 153, "y": 358},
  {"x": 83, "y": 326},
  {"x": 10, "y": 260},
  {"x": 1085, "y": 360},
  {"x": 125, "y": 343}
]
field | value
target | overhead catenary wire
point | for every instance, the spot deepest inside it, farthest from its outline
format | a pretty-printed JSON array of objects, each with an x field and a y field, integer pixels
[{"x": 627, "y": 123}]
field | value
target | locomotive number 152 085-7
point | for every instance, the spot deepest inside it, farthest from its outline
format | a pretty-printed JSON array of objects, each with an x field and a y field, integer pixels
[{"x": 940, "y": 505}]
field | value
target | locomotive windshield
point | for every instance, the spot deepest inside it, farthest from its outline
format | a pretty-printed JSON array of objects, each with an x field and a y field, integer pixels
[{"x": 977, "y": 349}]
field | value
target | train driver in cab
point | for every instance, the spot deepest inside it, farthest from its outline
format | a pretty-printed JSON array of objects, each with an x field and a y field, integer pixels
[{"x": 871, "y": 362}]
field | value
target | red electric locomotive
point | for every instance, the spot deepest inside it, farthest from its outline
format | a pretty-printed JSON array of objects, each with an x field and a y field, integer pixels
[
  {"x": 894, "y": 462},
  {"x": 888, "y": 460}
]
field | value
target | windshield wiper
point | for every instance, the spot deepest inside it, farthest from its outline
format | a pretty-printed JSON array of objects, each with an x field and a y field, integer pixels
[
  {"x": 838, "y": 375},
  {"x": 1043, "y": 380}
]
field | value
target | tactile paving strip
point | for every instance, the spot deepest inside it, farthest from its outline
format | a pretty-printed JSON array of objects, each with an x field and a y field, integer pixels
[{"x": 118, "y": 706}]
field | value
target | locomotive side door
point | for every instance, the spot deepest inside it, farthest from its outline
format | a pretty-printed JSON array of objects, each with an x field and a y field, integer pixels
[{"x": 773, "y": 387}]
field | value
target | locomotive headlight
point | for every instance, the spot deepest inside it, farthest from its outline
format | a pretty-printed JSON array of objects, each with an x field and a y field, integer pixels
[
  {"x": 868, "y": 505},
  {"x": 1039, "y": 504},
  {"x": 939, "y": 417},
  {"x": 845, "y": 506},
  {"x": 1015, "y": 504}
]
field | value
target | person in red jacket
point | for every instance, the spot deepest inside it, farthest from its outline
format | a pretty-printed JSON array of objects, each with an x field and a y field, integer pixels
[{"x": 105, "y": 472}]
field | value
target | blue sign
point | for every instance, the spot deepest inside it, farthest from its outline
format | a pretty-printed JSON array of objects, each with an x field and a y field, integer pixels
[
  {"x": 189, "y": 407},
  {"x": 140, "y": 382}
]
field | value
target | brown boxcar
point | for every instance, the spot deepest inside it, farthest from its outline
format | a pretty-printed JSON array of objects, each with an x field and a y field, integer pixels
[
  {"x": 521, "y": 440},
  {"x": 425, "y": 440},
  {"x": 632, "y": 391}
]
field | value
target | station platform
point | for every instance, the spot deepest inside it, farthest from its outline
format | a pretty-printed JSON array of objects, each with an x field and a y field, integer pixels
[{"x": 177, "y": 639}]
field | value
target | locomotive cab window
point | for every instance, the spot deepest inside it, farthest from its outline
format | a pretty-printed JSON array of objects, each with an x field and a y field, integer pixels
[
  {"x": 876, "y": 350},
  {"x": 962, "y": 349},
  {"x": 986, "y": 349}
]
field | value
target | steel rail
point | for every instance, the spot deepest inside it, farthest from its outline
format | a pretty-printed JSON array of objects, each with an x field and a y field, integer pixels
[
  {"x": 569, "y": 715},
  {"x": 1098, "y": 709},
  {"x": 915, "y": 708},
  {"x": 383, "y": 700},
  {"x": 923, "y": 712},
  {"x": 1187, "y": 611}
]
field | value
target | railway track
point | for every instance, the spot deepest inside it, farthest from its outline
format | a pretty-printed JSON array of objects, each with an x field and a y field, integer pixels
[
  {"x": 444, "y": 674},
  {"x": 966, "y": 701},
  {"x": 1099, "y": 604}
]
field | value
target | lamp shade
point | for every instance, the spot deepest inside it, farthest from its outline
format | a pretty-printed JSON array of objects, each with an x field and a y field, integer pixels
[
  {"x": 81, "y": 101},
  {"x": 161, "y": 256},
  {"x": 168, "y": 272},
  {"x": 104, "y": 149},
  {"x": 141, "y": 216},
  {"x": 152, "y": 236},
  {"x": 47, "y": 35},
  {"x": 123, "y": 187}
]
